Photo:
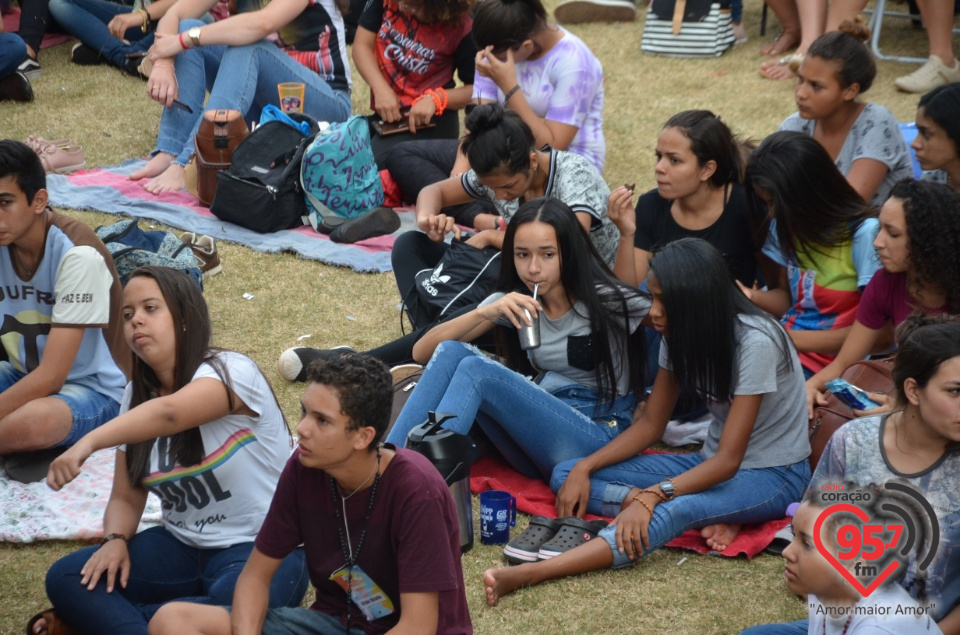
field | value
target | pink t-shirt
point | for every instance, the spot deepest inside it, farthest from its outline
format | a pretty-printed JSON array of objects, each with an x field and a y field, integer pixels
[{"x": 886, "y": 300}]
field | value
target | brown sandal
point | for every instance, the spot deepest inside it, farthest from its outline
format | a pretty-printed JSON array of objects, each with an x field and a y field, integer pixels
[{"x": 54, "y": 625}]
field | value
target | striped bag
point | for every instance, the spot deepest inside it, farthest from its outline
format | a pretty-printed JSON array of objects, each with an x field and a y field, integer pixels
[{"x": 688, "y": 28}]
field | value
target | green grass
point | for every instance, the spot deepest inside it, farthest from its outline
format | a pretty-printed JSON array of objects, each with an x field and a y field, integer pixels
[{"x": 109, "y": 114}]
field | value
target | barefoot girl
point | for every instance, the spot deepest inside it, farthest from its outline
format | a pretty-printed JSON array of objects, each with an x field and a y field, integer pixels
[
  {"x": 589, "y": 358},
  {"x": 199, "y": 427},
  {"x": 938, "y": 135},
  {"x": 240, "y": 61},
  {"x": 820, "y": 241},
  {"x": 917, "y": 445},
  {"x": 862, "y": 138},
  {"x": 754, "y": 461},
  {"x": 917, "y": 244}
]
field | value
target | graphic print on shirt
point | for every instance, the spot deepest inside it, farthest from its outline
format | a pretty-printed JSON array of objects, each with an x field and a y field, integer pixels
[
  {"x": 194, "y": 486},
  {"x": 23, "y": 331}
]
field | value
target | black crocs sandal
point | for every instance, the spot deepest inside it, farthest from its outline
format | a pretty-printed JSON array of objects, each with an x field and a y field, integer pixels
[
  {"x": 379, "y": 221},
  {"x": 526, "y": 546},
  {"x": 573, "y": 533}
]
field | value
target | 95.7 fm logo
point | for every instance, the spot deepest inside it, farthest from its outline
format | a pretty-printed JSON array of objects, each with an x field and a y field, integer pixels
[{"x": 872, "y": 532}]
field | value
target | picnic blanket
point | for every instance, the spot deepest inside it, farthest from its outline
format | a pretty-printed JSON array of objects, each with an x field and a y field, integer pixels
[
  {"x": 535, "y": 497},
  {"x": 11, "y": 24},
  {"x": 108, "y": 190},
  {"x": 33, "y": 511}
]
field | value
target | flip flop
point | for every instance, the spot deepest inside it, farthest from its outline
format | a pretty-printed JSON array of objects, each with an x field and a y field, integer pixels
[{"x": 54, "y": 625}]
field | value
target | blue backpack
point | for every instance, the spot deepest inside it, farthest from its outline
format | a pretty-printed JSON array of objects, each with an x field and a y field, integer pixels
[
  {"x": 131, "y": 247},
  {"x": 338, "y": 174}
]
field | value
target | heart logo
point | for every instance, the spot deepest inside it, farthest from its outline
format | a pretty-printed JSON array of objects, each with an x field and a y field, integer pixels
[
  {"x": 872, "y": 541},
  {"x": 876, "y": 544}
]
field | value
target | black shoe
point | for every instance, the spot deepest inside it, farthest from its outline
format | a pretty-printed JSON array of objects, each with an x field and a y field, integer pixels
[
  {"x": 573, "y": 533},
  {"x": 16, "y": 87},
  {"x": 329, "y": 224},
  {"x": 86, "y": 55},
  {"x": 377, "y": 222},
  {"x": 31, "y": 467},
  {"x": 293, "y": 362},
  {"x": 30, "y": 67},
  {"x": 526, "y": 546},
  {"x": 135, "y": 67}
]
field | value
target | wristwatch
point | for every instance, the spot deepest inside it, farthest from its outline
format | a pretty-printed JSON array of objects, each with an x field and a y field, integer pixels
[
  {"x": 194, "y": 35},
  {"x": 668, "y": 489},
  {"x": 110, "y": 537}
]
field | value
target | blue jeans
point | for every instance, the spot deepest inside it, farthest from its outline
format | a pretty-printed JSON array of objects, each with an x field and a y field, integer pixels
[
  {"x": 532, "y": 428},
  {"x": 12, "y": 51},
  {"x": 301, "y": 621},
  {"x": 751, "y": 496},
  {"x": 87, "y": 21},
  {"x": 162, "y": 569},
  {"x": 241, "y": 78},
  {"x": 90, "y": 408},
  {"x": 800, "y": 627}
]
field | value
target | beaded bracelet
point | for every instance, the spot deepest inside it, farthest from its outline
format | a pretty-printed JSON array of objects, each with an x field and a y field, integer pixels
[
  {"x": 439, "y": 97},
  {"x": 662, "y": 496},
  {"x": 637, "y": 498}
]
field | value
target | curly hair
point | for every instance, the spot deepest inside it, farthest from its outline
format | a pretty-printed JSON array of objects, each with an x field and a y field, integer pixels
[
  {"x": 365, "y": 388},
  {"x": 931, "y": 210},
  {"x": 450, "y": 11}
]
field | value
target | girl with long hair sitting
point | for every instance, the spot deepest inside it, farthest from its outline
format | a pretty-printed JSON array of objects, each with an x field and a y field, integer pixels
[
  {"x": 820, "y": 241},
  {"x": 917, "y": 244},
  {"x": 937, "y": 143},
  {"x": 589, "y": 358},
  {"x": 201, "y": 428},
  {"x": 918, "y": 446},
  {"x": 862, "y": 138},
  {"x": 753, "y": 462}
]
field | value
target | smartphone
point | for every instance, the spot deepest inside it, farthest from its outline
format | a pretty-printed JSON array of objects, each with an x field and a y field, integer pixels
[
  {"x": 850, "y": 395},
  {"x": 385, "y": 129},
  {"x": 182, "y": 106}
]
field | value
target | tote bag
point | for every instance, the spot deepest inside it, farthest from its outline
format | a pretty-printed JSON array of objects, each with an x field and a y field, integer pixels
[{"x": 688, "y": 28}]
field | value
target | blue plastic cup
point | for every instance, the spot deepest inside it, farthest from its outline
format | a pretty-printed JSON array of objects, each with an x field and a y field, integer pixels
[{"x": 498, "y": 513}]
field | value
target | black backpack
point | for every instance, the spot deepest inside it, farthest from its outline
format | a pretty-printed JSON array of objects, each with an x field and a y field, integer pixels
[{"x": 261, "y": 189}]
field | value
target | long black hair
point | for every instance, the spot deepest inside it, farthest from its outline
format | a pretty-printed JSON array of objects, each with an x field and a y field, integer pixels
[
  {"x": 585, "y": 279},
  {"x": 505, "y": 24},
  {"x": 694, "y": 277},
  {"x": 942, "y": 105},
  {"x": 925, "y": 343},
  {"x": 711, "y": 140},
  {"x": 814, "y": 205},
  {"x": 933, "y": 231}
]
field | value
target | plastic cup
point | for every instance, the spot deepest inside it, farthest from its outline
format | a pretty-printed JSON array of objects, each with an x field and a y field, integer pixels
[
  {"x": 498, "y": 513},
  {"x": 291, "y": 96}
]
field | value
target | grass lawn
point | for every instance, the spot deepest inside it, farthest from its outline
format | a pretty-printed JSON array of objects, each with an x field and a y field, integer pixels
[{"x": 109, "y": 114}]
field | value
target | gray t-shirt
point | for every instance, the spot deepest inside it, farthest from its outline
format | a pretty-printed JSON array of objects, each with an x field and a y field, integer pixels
[
  {"x": 573, "y": 180},
  {"x": 855, "y": 454},
  {"x": 874, "y": 135},
  {"x": 566, "y": 345},
  {"x": 779, "y": 435}
]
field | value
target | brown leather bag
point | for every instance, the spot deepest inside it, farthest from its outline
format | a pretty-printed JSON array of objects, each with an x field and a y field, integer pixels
[
  {"x": 219, "y": 133},
  {"x": 870, "y": 375}
]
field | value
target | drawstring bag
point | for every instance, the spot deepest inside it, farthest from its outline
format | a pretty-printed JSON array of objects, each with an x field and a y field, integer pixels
[
  {"x": 338, "y": 175},
  {"x": 688, "y": 28}
]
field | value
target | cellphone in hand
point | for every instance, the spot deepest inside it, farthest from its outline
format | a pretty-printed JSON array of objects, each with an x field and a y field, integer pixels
[{"x": 850, "y": 395}]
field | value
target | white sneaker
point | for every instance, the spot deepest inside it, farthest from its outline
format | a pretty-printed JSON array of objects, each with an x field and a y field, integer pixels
[
  {"x": 932, "y": 74},
  {"x": 580, "y": 11}
]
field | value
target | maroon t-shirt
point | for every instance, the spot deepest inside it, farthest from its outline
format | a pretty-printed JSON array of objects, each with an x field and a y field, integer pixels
[
  {"x": 415, "y": 57},
  {"x": 412, "y": 543},
  {"x": 886, "y": 300}
]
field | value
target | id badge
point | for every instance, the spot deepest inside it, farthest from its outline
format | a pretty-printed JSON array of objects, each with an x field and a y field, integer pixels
[{"x": 366, "y": 593}]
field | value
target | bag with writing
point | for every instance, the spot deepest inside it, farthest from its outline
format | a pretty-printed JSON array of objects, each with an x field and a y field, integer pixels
[{"x": 338, "y": 174}]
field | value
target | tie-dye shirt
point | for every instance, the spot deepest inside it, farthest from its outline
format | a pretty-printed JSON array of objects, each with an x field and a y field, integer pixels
[
  {"x": 223, "y": 500},
  {"x": 564, "y": 85},
  {"x": 825, "y": 287},
  {"x": 315, "y": 38}
]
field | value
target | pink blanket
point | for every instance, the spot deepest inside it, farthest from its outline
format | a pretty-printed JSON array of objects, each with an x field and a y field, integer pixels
[{"x": 535, "y": 497}]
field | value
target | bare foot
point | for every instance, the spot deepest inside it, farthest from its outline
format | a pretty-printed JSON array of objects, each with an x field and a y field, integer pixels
[
  {"x": 781, "y": 43},
  {"x": 171, "y": 180},
  {"x": 501, "y": 582},
  {"x": 777, "y": 69},
  {"x": 155, "y": 166},
  {"x": 720, "y": 535}
]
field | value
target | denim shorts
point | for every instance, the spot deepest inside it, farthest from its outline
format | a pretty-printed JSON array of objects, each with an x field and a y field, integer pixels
[
  {"x": 301, "y": 621},
  {"x": 90, "y": 408}
]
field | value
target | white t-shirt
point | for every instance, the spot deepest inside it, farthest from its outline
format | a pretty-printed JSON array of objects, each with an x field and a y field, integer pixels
[
  {"x": 223, "y": 500},
  {"x": 886, "y": 611}
]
